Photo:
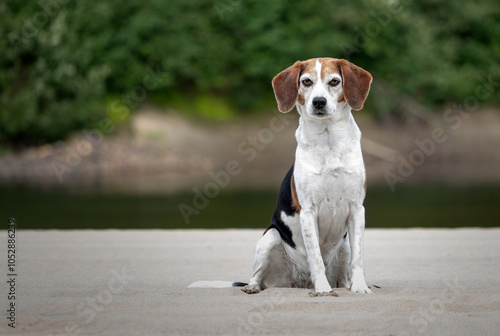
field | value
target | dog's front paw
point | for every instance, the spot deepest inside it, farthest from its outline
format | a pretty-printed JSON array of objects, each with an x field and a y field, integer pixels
[
  {"x": 360, "y": 288},
  {"x": 321, "y": 285},
  {"x": 358, "y": 283},
  {"x": 251, "y": 289}
]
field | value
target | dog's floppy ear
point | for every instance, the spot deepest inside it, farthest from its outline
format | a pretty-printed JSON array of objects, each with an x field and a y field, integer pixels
[
  {"x": 286, "y": 87},
  {"x": 356, "y": 84}
]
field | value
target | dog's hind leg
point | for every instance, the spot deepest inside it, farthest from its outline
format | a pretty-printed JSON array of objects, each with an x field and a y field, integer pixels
[
  {"x": 269, "y": 248},
  {"x": 338, "y": 266}
]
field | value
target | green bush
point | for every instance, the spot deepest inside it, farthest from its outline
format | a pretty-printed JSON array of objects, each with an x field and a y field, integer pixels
[{"x": 62, "y": 60}]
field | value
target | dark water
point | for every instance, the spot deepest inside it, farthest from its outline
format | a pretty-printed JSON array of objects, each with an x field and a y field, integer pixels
[{"x": 430, "y": 206}]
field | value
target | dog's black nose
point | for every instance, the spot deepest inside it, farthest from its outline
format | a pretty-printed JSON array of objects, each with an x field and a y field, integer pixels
[{"x": 319, "y": 102}]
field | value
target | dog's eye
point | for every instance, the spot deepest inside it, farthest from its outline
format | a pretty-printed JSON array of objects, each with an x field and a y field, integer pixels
[
  {"x": 334, "y": 82},
  {"x": 307, "y": 82}
]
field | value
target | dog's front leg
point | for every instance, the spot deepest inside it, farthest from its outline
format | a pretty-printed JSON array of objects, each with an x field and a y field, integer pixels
[
  {"x": 309, "y": 227},
  {"x": 356, "y": 227}
]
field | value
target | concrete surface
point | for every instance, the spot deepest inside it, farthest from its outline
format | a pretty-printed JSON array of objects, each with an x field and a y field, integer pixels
[{"x": 433, "y": 282}]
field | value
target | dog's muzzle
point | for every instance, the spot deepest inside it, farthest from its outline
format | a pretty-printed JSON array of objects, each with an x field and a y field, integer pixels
[{"x": 319, "y": 103}]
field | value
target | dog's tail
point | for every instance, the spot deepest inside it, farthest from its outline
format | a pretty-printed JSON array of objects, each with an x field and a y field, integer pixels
[
  {"x": 239, "y": 284},
  {"x": 216, "y": 284}
]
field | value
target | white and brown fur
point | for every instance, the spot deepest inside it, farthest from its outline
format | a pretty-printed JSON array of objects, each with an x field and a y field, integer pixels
[{"x": 316, "y": 236}]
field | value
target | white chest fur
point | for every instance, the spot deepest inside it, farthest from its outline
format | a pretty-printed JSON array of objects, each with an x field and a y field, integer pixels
[{"x": 329, "y": 175}]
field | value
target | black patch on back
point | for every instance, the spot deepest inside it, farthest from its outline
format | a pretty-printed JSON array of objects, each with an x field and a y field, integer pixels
[{"x": 285, "y": 204}]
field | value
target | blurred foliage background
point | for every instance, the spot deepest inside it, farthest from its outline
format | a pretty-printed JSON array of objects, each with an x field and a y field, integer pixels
[{"x": 64, "y": 62}]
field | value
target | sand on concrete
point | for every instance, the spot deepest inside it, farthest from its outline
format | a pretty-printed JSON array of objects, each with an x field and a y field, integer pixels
[{"x": 433, "y": 282}]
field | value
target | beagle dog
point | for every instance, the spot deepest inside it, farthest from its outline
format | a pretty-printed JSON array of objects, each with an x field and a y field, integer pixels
[{"x": 316, "y": 236}]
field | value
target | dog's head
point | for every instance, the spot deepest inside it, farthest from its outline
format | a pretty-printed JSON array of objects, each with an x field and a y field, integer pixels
[{"x": 319, "y": 85}]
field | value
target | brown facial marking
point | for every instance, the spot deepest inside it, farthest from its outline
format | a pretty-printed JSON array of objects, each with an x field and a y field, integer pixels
[
  {"x": 309, "y": 66},
  {"x": 295, "y": 199},
  {"x": 341, "y": 98},
  {"x": 301, "y": 99},
  {"x": 329, "y": 66}
]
